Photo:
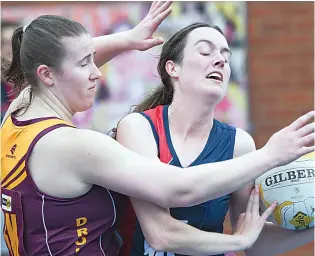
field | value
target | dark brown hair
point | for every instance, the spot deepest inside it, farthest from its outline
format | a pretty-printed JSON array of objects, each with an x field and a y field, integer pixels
[
  {"x": 40, "y": 43},
  {"x": 173, "y": 50}
]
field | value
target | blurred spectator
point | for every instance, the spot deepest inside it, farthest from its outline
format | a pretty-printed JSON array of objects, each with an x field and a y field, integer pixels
[
  {"x": 7, "y": 29},
  {"x": 133, "y": 74}
]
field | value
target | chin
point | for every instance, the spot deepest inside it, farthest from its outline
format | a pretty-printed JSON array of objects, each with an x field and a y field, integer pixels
[
  {"x": 85, "y": 107},
  {"x": 215, "y": 93}
]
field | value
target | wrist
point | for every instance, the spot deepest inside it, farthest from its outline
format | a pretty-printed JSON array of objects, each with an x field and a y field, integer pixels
[
  {"x": 271, "y": 159},
  {"x": 130, "y": 42},
  {"x": 123, "y": 41},
  {"x": 241, "y": 242}
]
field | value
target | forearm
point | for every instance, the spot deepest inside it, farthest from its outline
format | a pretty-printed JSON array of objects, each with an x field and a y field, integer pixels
[
  {"x": 166, "y": 234},
  {"x": 181, "y": 188},
  {"x": 218, "y": 179},
  {"x": 275, "y": 240},
  {"x": 181, "y": 238},
  {"x": 188, "y": 240},
  {"x": 194, "y": 185},
  {"x": 109, "y": 46}
]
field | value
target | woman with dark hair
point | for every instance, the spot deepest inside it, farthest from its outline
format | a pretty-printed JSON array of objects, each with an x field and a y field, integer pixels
[
  {"x": 56, "y": 179},
  {"x": 176, "y": 125}
]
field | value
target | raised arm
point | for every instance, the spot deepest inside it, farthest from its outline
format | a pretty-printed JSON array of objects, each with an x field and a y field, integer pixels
[
  {"x": 138, "y": 38},
  {"x": 277, "y": 239},
  {"x": 98, "y": 159}
]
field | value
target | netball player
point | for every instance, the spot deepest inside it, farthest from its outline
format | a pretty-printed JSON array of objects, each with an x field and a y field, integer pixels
[
  {"x": 55, "y": 179},
  {"x": 176, "y": 125}
]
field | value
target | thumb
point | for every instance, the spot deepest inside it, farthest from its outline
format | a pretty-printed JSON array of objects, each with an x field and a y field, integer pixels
[{"x": 149, "y": 43}]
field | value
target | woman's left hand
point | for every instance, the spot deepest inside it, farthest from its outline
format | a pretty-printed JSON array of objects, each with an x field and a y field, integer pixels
[{"x": 140, "y": 37}]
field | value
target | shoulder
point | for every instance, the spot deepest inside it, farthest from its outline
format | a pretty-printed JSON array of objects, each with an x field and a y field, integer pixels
[
  {"x": 133, "y": 119},
  {"x": 134, "y": 123},
  {"x": 68, "y": 143},
  {"x": 135, "y": 132},
  {"x": 76, "y": 152},
  {"x": 223, "y": 126},
  {"x": 143, "y": 119},
  {"x": 55, "y": 143},
  {"x": 55, "y": 161},
  {"x": 244, "y": 143}
]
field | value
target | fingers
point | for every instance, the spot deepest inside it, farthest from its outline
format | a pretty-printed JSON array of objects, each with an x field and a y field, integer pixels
[
  {"x": 155, "y": 6},
  {"x": 149, "y": 43},
  {"x": 159, "y": 18},
  {"x": 239, "y": 225},
  {"x": 241, "y": 218},
  {"x": 250, "y": 202},
  {"x": 255, "y": 204},
  {"x": 161, "y": 7},
  {"x": 302, "y": 121},
  {"x": 152, "y": 8},
  {"x": 248, "y": 214},
  {"x": 306, "y": 150},
  {"x": 263, "y": 218},
  {"x": 307, "y": 140},
  {"x": 306, "y": 130}
]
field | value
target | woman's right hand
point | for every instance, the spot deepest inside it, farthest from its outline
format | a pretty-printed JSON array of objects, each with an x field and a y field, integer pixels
[
  {"x": 293, "y": 141},
  {"x": 250, "y": 224},
  {"x": 140, "y": 37}
]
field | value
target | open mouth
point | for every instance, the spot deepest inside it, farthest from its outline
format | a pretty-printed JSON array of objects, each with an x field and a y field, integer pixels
[{"x": 215, "y": 76}]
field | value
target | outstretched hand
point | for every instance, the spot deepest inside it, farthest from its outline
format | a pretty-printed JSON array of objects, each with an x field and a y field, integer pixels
[
  {"x": 250, "y": 224},
  {"x": 141, "y": 36},
  {"x": 293, "y": 141}
]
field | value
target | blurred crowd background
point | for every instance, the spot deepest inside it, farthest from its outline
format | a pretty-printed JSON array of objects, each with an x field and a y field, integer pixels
[
  {"x": 128, "y": 77},
  {"x": 272, "y": 79}
]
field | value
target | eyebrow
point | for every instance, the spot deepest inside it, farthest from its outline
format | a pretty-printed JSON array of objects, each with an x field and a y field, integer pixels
[
  {"x": 224, "y": 49},
  {"x": 87, "y": 56}
]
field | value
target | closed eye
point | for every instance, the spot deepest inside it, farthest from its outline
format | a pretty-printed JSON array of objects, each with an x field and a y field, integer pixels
[
  {"x": 87, "y": 61},
  {"x": 227, "y": 59}
]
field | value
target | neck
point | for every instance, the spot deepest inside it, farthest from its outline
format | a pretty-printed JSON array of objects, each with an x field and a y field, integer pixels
[
  {"x": 48, "y": 100},
  {"x": 190, "y": 117}
]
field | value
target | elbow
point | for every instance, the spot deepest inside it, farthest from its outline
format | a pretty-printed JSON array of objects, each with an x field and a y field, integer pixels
[
  {"x": 158, "y": 242},
  {"x": 159, "y": 245},
  {"x": 174, "y": 200},
  {"x": 185, "y": 199},
  {"x": 188, "y": 192},
  {"x": 183, "y": 194},
  {"x": 164, "y": 236}
]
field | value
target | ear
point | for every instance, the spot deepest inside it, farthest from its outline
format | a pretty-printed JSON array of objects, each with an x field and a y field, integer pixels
[
  {"x": 44, "y": 74},
  {"x": 172, "y": 69}
]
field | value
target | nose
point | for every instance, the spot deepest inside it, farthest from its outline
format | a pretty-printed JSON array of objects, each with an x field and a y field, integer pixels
[
  {"x": 218, "y": 61},
  {"x": 96, "y": 73}
]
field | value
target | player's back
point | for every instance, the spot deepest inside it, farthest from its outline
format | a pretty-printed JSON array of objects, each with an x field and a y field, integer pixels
[{"x": 40, "y": 224}]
